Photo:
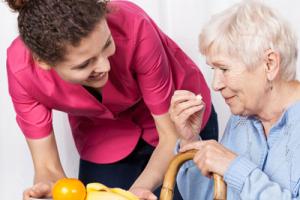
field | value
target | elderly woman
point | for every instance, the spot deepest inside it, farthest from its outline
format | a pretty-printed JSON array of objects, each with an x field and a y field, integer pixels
[{"x": 253, "y": 55}]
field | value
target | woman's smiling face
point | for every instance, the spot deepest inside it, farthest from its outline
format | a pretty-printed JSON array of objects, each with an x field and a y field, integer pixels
[
  {"x": 87, "y": 64},
  {"x": 242, "y": 89}
]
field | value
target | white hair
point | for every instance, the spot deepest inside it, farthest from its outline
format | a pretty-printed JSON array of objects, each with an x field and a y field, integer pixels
[{"x": 245, "y": 31}]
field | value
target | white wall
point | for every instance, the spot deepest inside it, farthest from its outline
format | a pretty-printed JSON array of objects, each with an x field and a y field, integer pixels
[{"x": 181, "y": 20}]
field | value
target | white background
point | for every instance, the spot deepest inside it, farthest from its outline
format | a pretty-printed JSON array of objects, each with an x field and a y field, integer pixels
[{"x": 180, "y": 19}]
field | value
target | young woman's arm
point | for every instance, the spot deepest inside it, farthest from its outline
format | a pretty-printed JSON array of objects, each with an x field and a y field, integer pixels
[
  {"x": 153, "y": 174},
  {"x": 47, "y": 166}
]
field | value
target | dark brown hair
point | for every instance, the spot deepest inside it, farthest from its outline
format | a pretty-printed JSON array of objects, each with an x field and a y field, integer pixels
[{"x": 46, "y": 26}]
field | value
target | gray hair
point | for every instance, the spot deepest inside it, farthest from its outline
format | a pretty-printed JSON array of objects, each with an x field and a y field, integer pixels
[{"x": 246, "y": 30}]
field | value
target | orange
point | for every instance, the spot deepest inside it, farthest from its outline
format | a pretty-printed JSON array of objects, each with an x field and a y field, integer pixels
[{"x": 68, "y": 189}]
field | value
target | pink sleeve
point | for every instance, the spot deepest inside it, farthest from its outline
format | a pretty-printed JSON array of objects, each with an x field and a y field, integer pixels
[
  {"x": 34, "y": 119},
  {"x": 153, "y": 71}
]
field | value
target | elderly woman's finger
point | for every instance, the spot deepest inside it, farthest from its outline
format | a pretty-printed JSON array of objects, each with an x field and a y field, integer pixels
[
  {"x": 202, "y": 163},
  {"x": 181, "y": 96},
  {"x": 179, "y": 104},
  {"x": 183, "y": 93},
  {"x": 181, "y": 119},
  {"x": 194, "y": 145},
  {"x": 185, "y": 114},
  {"x": 183, "y": 108}
]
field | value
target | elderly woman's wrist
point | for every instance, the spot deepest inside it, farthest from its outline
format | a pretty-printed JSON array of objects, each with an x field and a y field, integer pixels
[{"x": 190, "y": 140}]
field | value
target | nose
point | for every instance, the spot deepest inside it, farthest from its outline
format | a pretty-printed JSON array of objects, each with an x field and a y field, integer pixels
[
  {"x": 102, "y": 65},
  {"x": 218, "y": 80}
]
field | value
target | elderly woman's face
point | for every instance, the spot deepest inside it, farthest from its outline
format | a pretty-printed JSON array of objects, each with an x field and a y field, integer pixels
[{"x": 242, "y": 89}]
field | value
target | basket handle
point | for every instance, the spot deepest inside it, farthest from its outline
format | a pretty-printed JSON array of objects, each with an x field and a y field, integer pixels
[{"x": 167, "y": 190}]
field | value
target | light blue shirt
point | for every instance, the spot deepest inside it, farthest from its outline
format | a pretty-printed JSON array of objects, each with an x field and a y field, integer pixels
[{"x": 265, "y": 169}]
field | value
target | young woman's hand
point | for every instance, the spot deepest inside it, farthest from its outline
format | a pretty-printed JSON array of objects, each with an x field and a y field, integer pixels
[
  {"x": 211, "y": 157},
  {"x": 47, "y": 167},
  {"x": 186, "y": 111},
  {"x": 143, "y": 194},
  {"x": 39, "y": 190}
]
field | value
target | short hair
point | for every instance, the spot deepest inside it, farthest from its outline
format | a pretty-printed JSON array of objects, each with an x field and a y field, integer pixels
[{"x": 246, "y": 30}]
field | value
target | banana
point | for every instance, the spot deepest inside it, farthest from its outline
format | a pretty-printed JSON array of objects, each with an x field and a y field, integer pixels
[
  {"x": 104, "y": 196},
  {"x": 98, "y": 191},
  {"x": 96, "y": 187}
]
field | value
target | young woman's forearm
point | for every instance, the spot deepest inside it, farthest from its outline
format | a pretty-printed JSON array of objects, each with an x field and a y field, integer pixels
[
  {"x": 47, "y": 165},
  {"x": 153, "y": 174}
]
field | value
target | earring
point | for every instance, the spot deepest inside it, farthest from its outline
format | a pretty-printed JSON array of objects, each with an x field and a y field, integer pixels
[{"x": 270, "y": 85}]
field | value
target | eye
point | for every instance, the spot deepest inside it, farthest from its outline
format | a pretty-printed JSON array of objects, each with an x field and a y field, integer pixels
[
  {"x": 224, "y": 68},
  {"x": 107, "y": 44},
  {"x": 84, "y": 65}
]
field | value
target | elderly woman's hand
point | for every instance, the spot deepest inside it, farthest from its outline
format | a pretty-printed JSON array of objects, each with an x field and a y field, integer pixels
[
  {"x": 211, "y": 157},
  {"x": 186, "y": 111}
]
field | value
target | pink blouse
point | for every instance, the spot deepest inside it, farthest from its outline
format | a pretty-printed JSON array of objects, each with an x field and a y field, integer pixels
[{"x": 145, "y": 70}]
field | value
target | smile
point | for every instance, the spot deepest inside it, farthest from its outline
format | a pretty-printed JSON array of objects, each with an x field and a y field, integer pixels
[
  {"x": 97, "y": 78},
  {"x": 228, "y": 99}
]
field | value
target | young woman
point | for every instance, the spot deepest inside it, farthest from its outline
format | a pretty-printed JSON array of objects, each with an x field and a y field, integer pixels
[{"x": 113, "y": 71}]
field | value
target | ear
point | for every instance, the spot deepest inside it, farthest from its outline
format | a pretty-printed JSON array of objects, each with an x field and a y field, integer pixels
[
  {"x": 272, "y": 64},
  {"x": 41, "y": 63}
]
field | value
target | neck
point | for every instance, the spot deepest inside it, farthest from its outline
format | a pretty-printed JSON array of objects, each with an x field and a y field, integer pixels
[{"x": 278, "y": 100}]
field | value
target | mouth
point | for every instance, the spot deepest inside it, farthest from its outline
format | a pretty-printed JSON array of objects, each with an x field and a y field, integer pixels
[
  {"x": 228, "y": 99},
  {"x": 97, "y": 77}
]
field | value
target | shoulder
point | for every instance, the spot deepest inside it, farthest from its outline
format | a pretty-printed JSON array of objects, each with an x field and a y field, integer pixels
[
  {"x": 127, "y": 9},
  {"x": 18, "y": 56},
  {"x": 126, "y": 19},
  {"x": 130, "y": 25}
]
